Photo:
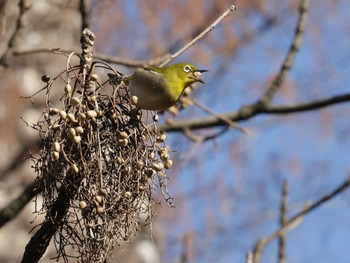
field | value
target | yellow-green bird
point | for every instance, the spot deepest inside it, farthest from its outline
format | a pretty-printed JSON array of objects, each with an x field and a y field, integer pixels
[{"x": 160, "y": 88}]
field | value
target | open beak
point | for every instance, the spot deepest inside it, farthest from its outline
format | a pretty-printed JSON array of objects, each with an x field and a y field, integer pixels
[{"x": 197, "y": 75}]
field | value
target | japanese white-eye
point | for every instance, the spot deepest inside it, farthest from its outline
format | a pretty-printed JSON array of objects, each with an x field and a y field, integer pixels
[{"x": 160, "y": 88}]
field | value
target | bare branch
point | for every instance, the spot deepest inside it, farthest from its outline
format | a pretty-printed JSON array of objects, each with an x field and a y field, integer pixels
[
  {"x": 297, "y": 219},
  {"x": 294, "y": 48},
  {"x": 99, "y": 56},
  {"x": 200, "y": 36},
  {"x": 85, "y": 11},
  {"x": 24, "y": 6},
  {"x": 13, "y": 208},
  {"x": 250, "y": 111},
  {"x": 283, "y": 220}
]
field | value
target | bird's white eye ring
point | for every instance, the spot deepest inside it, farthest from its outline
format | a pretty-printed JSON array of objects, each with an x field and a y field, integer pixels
[{"x": 187, "y": 68}]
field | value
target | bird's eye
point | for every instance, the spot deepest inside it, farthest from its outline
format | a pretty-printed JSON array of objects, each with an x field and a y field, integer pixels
[{"x": 187, "y": 68}]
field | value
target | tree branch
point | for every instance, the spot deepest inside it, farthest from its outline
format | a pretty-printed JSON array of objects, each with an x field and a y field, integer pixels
[
  {"x": 297, "y": 219},
  {"x": 283, "y": 220},
  {"x": 252, "y": 110},
  {"x": 294, "y": 48},
  {"x": 99, "y": 56},
  {"x": 12, "y": 210},
  {"x": 24, "y": 6}
]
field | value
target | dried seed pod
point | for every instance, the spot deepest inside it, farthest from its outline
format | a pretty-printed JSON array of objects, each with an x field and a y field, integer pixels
[
  {"x": 74, "y": 101},
  {"x": 158, "y": 166},
  {"x": 94, "y": 77},
  {"x": 100, "y": 210},
  {"x": 163, "y": 150},
  {"x": 134, "y": 100},
  {"x": 57, "y": 146},
  {"x": 123, "y": 142},
  {"x": 123, "y": 135},
  {"x": 168, "y": 164},
  {"x": 149, "y": 172},
  {"x": 79, "y": 130},
  {"x": 71, "y": 117},
  {"x": 161, "y": 173},
  {"x": 114, "y": 115},
  {"x": 77, "y": 139},
  {"x": 56, "y": 126},
  {"x": 98, "y": 199},
  {"x": 127, "y": 194},
  {"x": 139, "y": 165},
  {"x": 120, "y": 160},
  {"x": 91, "y": 114},
  {"x": 53, "y": 111},
  {"x": 92, "y": 98},
  {"x": 63, "y": 114},
  {"x": 72, "y": 132},
  {"x": 162, "y": 137},
  {"x": 74, "y": 168},
  {"x": 45, "y": 78},
  {"x": 67, "y": 88},
  {"x": 56, "y": 155},
  {"x": 82, "y": 204},
  {"x": 152, "y": 156},
  {"x": 103, "y": 192},
  {"x": 164, "y": 156},
  {"x": 156, "y": 118},
  {"x": 127, "y": 170},
  {"x": 81, "y": 117}
]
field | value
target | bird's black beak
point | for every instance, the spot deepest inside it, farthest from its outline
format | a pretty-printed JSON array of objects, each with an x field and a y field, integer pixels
[{"x": 197, "y": 75}]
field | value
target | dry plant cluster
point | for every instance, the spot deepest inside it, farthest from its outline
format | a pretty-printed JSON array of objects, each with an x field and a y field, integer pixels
[{"x": 98, "y": 162}]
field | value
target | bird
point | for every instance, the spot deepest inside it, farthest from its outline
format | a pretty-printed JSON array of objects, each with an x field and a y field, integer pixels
[{"x": 159, "y": 88}]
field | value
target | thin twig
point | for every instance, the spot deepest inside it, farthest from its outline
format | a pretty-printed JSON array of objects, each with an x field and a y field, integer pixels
[
  {"x": 294, "y": 48},
  {"x": 99, "y": 56},
  {"x": 228, "y": 121},
  {"x": 283, "y": 220},
  {"x": 201, "y": 35},
  {"x": 297, "y": 219}
]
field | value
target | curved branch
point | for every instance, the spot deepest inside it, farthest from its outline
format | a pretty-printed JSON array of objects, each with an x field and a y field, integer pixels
[
  {"x": 294, "y": 48},
  {"x": 250, "y": 111}
]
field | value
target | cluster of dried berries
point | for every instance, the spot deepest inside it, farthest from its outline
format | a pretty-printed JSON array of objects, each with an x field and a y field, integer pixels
[{"x": 101, "y": 156}]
